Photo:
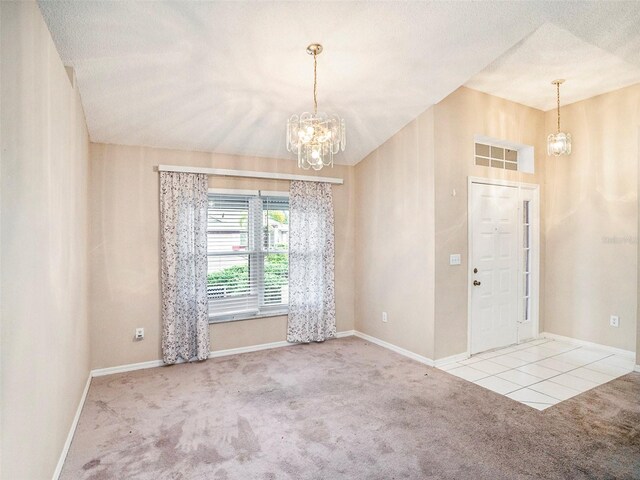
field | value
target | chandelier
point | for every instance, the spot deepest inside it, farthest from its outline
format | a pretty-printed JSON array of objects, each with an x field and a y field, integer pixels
[
  {"x": 315, "y": 137},
  {"x": 558, "y": 143}
]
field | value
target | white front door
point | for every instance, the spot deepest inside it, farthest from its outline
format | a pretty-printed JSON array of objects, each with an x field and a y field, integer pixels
[{"x": 494, "y": 257}]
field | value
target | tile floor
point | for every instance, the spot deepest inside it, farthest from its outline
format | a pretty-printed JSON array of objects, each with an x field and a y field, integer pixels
[{"x": 541, "y": 373}]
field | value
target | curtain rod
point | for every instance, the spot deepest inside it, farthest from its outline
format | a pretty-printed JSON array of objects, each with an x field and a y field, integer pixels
[{"x": 245, "y": 173}]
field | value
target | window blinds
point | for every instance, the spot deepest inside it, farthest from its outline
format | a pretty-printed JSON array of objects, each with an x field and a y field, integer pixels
[
  {"x": 247, "y": 247},
  {"x": 275, "y": 242}
]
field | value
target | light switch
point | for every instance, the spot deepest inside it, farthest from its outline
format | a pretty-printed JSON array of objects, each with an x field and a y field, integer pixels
[{"x": 455, "y": 259}]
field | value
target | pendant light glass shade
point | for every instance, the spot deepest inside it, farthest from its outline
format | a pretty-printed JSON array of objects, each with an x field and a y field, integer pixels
[{"x": 559, "y": 144}]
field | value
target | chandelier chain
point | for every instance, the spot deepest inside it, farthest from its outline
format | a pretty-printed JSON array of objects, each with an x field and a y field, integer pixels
[{"x": 315, "y": 84}]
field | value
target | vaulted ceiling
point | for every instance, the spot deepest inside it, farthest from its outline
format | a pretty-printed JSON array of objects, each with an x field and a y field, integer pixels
[{"x": 225, "y": 76}]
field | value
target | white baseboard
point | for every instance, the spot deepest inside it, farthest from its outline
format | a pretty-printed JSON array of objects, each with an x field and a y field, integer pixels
[
  {"x": 462, "y": 356},
  {"x": 584, "y": 343},
  {"x": 215, "y": 354},
  {"x": 72, "y": 431},
  {"x": 451, "y": 359},
  {"x": 99, "y": 372},
  {"x": 394, "y": 348},
  {"x": 346, "y": 333},
  {"x": 251, "y": 348}
]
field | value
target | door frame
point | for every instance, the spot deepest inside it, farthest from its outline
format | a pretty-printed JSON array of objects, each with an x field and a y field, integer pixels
[{"x": 534, "y": 214}]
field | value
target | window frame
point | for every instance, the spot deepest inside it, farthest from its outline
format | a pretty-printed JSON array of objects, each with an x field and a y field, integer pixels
[
  {"x": 257, "y": 256},
  {"x": 527, "y": 252}
]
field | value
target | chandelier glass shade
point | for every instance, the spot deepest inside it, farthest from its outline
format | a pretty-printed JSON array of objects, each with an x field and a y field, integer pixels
[
  {"x": 558, "y": 143},
  {"x": 315, "y": 137}
]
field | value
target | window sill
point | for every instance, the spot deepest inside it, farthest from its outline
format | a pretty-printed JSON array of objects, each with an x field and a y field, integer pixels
[{"x": 248, "y": 316}]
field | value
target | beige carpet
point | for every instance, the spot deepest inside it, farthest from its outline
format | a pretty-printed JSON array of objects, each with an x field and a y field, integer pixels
[{"x": 345, "y": 409}]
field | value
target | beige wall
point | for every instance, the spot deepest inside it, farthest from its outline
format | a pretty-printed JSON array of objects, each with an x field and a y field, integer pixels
[
  {"x": 44, "y": 184},
  {"x": 408, "y": 220},
  {"x": 592, "y": 221},
  {"x": 589, "y": 221},
  {"x": 458, "y": 118},
  {"x": 392, "y": 250},
  {"x": 394, "y": 262},
  {"x": 125, "y": 257}
]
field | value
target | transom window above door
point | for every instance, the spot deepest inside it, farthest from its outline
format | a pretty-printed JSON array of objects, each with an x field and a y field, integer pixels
[
  {"x": 497, "y": 157},
  {"x": 248, "y": 255},
  {"x": 503, "y": 154}
]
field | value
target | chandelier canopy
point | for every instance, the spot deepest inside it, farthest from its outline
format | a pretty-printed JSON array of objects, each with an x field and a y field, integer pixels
[
  {"x": 315, "y": 137},
  {"x": 558, "y": 143}
]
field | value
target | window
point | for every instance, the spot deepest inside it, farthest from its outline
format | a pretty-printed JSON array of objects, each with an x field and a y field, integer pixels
[
  {"x": 503, "y": 154},
  {"x": 248, "y": 255},
  {"x": 497, "y": 157},
  {"x": 526, "y": 267}
]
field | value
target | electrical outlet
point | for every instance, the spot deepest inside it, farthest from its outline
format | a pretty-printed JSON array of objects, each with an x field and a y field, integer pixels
[
  {"x": 455, "y": 259},
  {"x": 614, "y": 321},
  {"x": 139, "y": 333},
  {"x": 385, "y": 319}
]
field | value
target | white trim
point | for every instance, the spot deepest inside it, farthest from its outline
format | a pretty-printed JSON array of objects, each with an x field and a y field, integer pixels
[
  {"x": 394, "y": 348},
  {"x": 251, "y": 348},
  {"x": 72, "y": 430},
  {"x": 255, "y": 193},
  {"x": 535, "y": 287},
  {"x": 584, "y": 343},
  {"x": 346, "y": 333},
  {"x": 233, "y": 191},
  {"x": 265, "y": 346},
  {"x": 503, "y": 183},
  {"x": 214, "y": 354},
  {"x": 247, "y": 315},
  {"x": 451, "y": 359},
  {"x": 273, "y": 193},
  {"x": 250, "y": 174},
  {"x": 130, "y": 367}
]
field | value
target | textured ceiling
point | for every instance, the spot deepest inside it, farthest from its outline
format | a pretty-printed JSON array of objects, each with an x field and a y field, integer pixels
[
  {"x": 225, "y": 76},
  {"x": 525, "y": 72}
]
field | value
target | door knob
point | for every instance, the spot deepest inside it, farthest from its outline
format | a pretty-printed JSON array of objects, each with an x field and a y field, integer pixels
[{"x": 476, "y": 283}]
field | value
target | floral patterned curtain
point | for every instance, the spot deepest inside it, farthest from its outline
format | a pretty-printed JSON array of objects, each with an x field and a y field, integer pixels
[
  {"x": 183, "y": 225},
  {"x": 312, "y": 310}
]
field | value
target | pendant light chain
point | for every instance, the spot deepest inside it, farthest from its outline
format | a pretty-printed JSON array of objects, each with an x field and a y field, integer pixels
[
  {"x": 558, "y": 98},
  {"x": 315, "y": 84}
]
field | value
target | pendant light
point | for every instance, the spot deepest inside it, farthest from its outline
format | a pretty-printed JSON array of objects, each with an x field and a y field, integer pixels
[
  {"x": 558, "y": 143},
  {"x": 315, "y": 137}
]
